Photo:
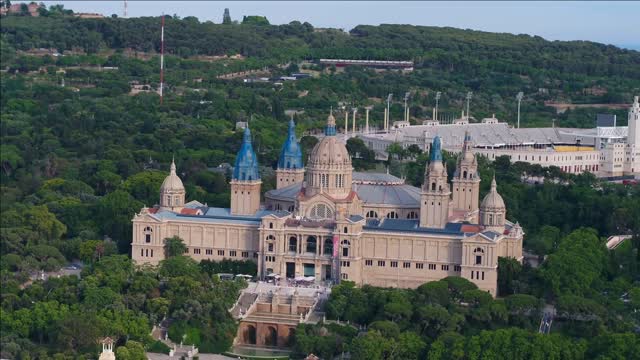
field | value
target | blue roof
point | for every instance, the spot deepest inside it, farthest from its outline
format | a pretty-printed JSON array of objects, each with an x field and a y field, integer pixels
[
  {"x": 221, "y": 216},
  {"x": 246, "y": 162},
  {"x": 436, "y": 149},
  {"x": 410, "y": 225},
  {"x": 291, "y": 154}
]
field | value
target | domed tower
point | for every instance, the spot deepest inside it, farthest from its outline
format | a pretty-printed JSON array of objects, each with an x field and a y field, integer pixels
[
  {"x": 329, "y": 168},
  {"x": 290, "y": 169},
  {"x": 172, "y": 191},
  {"x": 466, "y": 181},
  {"x": 245, "y": 182},
  {"x": 492, "y": 210},
  {"x": 434, "y": 205}
]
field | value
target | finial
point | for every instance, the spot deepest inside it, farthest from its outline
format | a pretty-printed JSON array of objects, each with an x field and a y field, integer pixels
[
  {"x": 494, "y": 185},
  {"x": 173, "y": 164}
]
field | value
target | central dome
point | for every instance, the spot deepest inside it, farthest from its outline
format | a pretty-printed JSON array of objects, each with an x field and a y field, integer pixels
[
  {"x": 330, "y": 151},
  {"x": 329, "y": 168}
]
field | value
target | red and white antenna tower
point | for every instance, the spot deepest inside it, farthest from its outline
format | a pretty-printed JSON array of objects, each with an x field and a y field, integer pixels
[
  {"x": 161, "y": 59},
  {"x": 125, "y": 8}
]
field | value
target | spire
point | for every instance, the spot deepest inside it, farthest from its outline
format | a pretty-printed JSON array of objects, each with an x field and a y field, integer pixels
[
  {"x": 494, "y": 185},
  {"x": 436, "y": 149},
  {"x": 331, "y": 125},
  {"x": 291, "y": 153},
  {"x": 246, "y": 166},
  {"x": 173, "y": 166}
]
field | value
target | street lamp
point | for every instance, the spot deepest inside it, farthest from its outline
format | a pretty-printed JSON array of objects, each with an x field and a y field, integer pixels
[
  {"x": 438, "y": 94},
  {"x": 469, "y": 94},
  {"x": 519, "y": 98}
]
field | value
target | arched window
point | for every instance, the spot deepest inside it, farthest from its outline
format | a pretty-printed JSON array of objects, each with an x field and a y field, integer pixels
[
  {"x": 320, "y": 211},
  {"x": 490, "y": 219},
  {"x": 345, "y": 248},
  {"x": 464, "y": 174},
  {"x": 372, "y": 214},
  {"x": 433, "y": 186},
  {"x": 293, "y": 244},
  {"x": 270, "y": 225},
  {"x": 328, "y": 247},
  {"x": 392, "y": 215},
  {"x": 412, "y": 215},
  {"x": 478, "y": 252},
  {"x": 311, "y": 244},
  {"x": 346, "y": 230},
  {"x": 147, "y": 234}
]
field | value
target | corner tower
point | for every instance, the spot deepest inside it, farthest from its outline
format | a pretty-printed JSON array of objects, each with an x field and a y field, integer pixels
[
  {"x": 466, "y": 182},
  {"x": 435, "y": 197},
  {"x": 290, "y": 169},
  {"x": 493, "y": 212},
  {"x": 245, "y": 182},
  {"x": 632, "y": 153},
  {"x": 172, "y": 191}
]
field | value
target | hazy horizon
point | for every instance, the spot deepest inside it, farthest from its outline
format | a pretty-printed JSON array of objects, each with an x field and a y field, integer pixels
[{"x": 612, "y": 22}]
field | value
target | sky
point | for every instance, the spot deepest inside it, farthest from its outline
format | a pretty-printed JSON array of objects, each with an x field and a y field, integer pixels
[{"x": 609, "y": 22}]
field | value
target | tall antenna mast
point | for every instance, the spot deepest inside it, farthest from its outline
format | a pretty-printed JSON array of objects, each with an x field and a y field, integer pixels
[
  {"x": 161, "y": 59},
  {"x": 125, "y": 8}
]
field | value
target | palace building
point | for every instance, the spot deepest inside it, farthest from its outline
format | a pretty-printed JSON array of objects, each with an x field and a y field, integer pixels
[{"x": 328, "y": 222}]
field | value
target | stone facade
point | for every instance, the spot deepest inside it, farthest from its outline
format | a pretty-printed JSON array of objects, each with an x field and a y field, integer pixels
[{"x": 338, "y": 225}]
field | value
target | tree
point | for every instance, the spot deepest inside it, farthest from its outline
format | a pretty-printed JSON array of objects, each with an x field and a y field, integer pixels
[
  {"x": 508, "y": 271},
  {"x": 370, "y": 346},
  {"x": 114, "y": 214},
  {"x": 131, "y": 351},
  {"x": 44, "y": 223},
  {"x": 174, "y": 246}
]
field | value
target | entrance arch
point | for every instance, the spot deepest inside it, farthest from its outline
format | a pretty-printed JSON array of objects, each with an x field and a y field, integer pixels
[
  {"x": 249, "y": 335},
  {"x": 271, "y": 337}
]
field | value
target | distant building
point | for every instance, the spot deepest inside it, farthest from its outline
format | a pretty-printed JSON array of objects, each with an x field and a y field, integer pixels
[
  {"x": 606, "y": 151},
  {"x": 89, "y": 15},
  {"x": 380, "y": 64},
  {"x": 32, "y": 9}
]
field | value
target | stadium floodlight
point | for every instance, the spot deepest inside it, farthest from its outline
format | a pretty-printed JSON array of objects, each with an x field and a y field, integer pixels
[
  {"x": 438, "y": 94},
  {"x": 519, "y": 98},
  {"x": 469, "y": 95}
]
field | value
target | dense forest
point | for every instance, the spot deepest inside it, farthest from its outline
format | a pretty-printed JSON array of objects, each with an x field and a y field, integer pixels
[{"x": 80, "y": 154}]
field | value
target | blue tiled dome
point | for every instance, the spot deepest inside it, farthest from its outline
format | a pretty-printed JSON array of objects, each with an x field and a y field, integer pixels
[
  {"x": 246, "y": 167},
  {"x": 291, "y": 154},
  {"x": 436, "y": 149}
]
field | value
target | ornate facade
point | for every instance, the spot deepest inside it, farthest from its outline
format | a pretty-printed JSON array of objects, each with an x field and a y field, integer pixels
[{"x": 331, "y": 223}]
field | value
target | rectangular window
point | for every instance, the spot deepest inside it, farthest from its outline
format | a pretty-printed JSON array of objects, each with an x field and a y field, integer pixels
[
  {"x": 151, "y": 252},
  {"x": 270, "y": 247},
  {"x": 208, "y": 252},
  {"x": 483, "y": 275},
  {"x": 432, "y": 266},
  {"x": 141, "y": 252},
  {"x": 445, "y": 267},
  {"x": 255, "y": 255},
  {"x": 233, "y": 253},
  {"x": 457, "y": 268},
  {"x": 220, "y": 252},
  {"x": 245, "y": 254},
  {"x": 419, "y": 266},
  {"x": 406, "y": 265},
  {"x": 196, "y": 251},
  {"x": 394, "y": 264},
  {"x": 368, "y": 262},
  {"x": 270, "y": 258},
  {"x": 344, "y": 276},
  {"x": 381, "y": 263},
  {"x": 345, "y": 264}
]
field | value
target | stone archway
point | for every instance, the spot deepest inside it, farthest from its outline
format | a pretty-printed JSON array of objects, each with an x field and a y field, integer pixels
[
  {"x": 291, "y": 336},
  {"x": 249, "y": 335},
  {"x": 271, "y": 336}
]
